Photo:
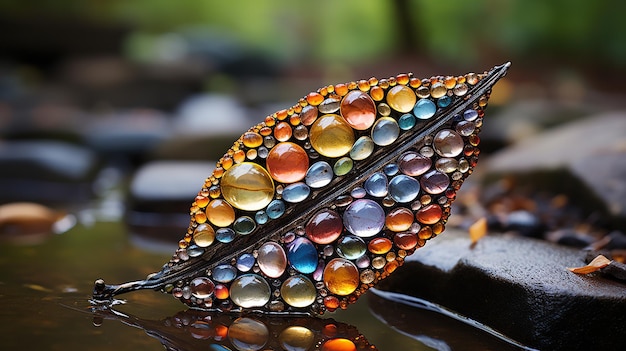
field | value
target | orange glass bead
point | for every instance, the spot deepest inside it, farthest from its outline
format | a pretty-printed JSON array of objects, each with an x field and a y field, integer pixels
[
  {"x": 405, "y": 241},
  {"x": 227, "y": 162},
  {"x": 401, "y": 98},
  {"x": 201, "y": 201},
  {"x": 430, "y": 214},
  {"x": 358, "y": 109},
  {"x": 221, "y": 292},
  {"x": 425, "y": 233},
  {"x": 339, "y": 344},
  {"x": 373, "y": 81},
  {"x": 438, "y": 228},
  {"x": 270, "y": 121},
  {"x": 379, "y": 246},
  {"x": 282, "y": 132},
  {"x": 200, "y": 217},
  {"x": 281, "y": 115},
  {"x": 399, "y": 219},
  {"x": 341, "y": 89},
  {"x": 449, "y": 82},
  {"x": 287, "y": 162},
  {"x": 415, "y": 83},
  {"x": 341, "y": 277},
  {"x": 391, "y": 266},
  {"x": 402, "y": 79},
  {"x": 331, "y": 303},
  {"x": 265, "y": 131},
  {"x": 352, "y": 85},
  {"x": 294, "y": 120},
  {"x": 239, "y": 156},
  {"x": 314, "y": 99},
  {"x": 220, "y": 213},
  {"x": 377, "y": 93},
  {"x": 364, "y": 85}
]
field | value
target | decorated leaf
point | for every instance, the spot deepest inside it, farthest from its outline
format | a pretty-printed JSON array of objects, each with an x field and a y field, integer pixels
[{"x": 319, "y": 202}]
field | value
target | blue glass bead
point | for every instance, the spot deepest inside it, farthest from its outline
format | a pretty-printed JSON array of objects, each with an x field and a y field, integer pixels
[
  {"x": 444, "y": 101},
  {"x": 244, "y": 225},
  {"x": 351, "y": 247},
  {"x": 406, "y": 121},
  {"x": 403, "y": 188},
  {"x": 261, "y": 217},
  {"x": 358, "y": 192},
  {"x": 245, "y": 262},
  {"x": 470, "y": 115},
  {"x": 224, "y": 273},
  {"x": 424, "y": 109},
  {"x": 194, "y": 250},
  {"x": 385, "y": 131},
  {"x": 275, "y": 209},
  {"x": 362, "y": 148},
  {"x": 296, "y": 192},
  {"x": 302, "y": 255},
  {"x": 319, "y": 174},
  {"x": 225, "y": 235},
  {"x": 364, "y": 218},
  {"x": 391, "y": 169},
  {"x": 376, "y": 185}
]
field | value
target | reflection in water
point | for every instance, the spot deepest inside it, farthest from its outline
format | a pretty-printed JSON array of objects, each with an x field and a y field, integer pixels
[{"x": 200, "y": 330}]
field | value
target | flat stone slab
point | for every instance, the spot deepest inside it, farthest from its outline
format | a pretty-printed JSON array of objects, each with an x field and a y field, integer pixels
[{"x": 520, "y": 287}]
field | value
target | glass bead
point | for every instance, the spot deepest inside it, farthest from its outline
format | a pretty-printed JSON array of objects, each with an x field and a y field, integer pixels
[
  {"x": 385, "y": 131},
  {"x": 424, "y": 109},
  {"x": 383, "y": 109},
  {"x": 262, "y": 152},
  {"x": 471, "y": 78},
  {"x": 362, "y": 148},
  {"x": 324, "y": 227},
  {"x": 341, "y": 277},
  {"x": 427, "y": 151},
  {"x": 296, "y": 338},
  {"x": 301, "y": 133},
  {"x": 380, "y": 246},
  {"x": 250, "y": 290},
  {"x": 308, "y": 115},
  {"x": 302, "y": 255},
  {"x": 444, "y": 101},
  {"x": 247, "y": 186},
  {"x": 401, "y": 98},
  {"x": 220, "y": 213},
  {"x": 275, "y": 209},
  {"x": 399, "y": 219},
  {"x": 425, "y": 233},
  {"x": 244, "y": 225},
  {"x": 343, "y": 166},
  {"x": 245, "y": 262},
  {"x": 376, "y": 184},
  {"x": 261, "y": 217},
  {"x": 403, "y": 188},
  {"x": 287, "y": 162},
  {"x": 448, "y": 143},
  {"x": 331, "y": 136},
  {"x": 407, "y": 121},
  {"x": 350, "y": 247},
  {"x": 298, "y": 291},
  {"x": 460, "y": 89},
  {"x": 296, "y": 192},
  {"x": 446, "y": 165},
  {"x": 405, "y": 241},
  {"x": 465, "y": 128},
  {"x": 319, "y": 175},
  {"x": 438, "y": 90},
  {"x": 201, "y": 288},
  {"x": 272, "y": 259},
  {"x": 358, "y": 192},
  {"x": 204, "y": 235},
  {"x": 224, "y": 273},
  {"x": 330, "y": 105},
  {"x": 201, "y": 201},
  {"x": 225, "y": 235},
  {"x": 338, "y": 344},
  {"x": 282, "y": 131},
  {"x": 463, "y": 165},
  {"x": 364, "y": 218},
  {"x": 363, "y": 261},
  {"x": 391, "y": 169},
  {"x": 378, "y": 262},
  {"x": 413, "y": 164},
  {"x": 377, "y": 93},
  {"x": 470, "y": 115},
  {"x": 430, "y": 214},
  {"x": 269, "y": 142},
  {"x": 422, "y": 92},
  {"x": 367, "y": 276},
  {"x": 314, "y": 98},
  {"x": 195, "y": 251},
  {"x": 435, "y": 182},
  {"x": 358, "y": 109},
  {"x": 252, "y": 139},
  {"x": 221, "y": 292},
  {"x": 248, "y": 334}
]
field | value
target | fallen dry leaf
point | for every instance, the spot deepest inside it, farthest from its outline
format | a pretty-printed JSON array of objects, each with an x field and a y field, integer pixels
[
  {"x": 478, "y": 230},
  {"x": 595, "y": 265}
]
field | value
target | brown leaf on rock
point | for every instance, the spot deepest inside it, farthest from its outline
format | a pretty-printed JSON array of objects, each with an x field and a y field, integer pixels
[
  {"x": 593, "y": 266},
  {"x": 478, "y": 230}
]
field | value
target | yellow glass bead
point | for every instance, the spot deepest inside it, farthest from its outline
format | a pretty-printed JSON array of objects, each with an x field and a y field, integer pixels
[
  {"x": 220, "y": 213},
  {"x": 341, "y": 277},
  {"x": 298, "y": 291},
  {"x": 252, "y": 139},
  {"x": 247, "y": 186},
  {"x": 438, "y": 90},
  {"x": 363, "y": 85},
  {"x": 331, "y": 136},
  {"x": 296, "y": 338},
  {"x": 401, "y": 98},
  {"x": 204, "y": 235},
  {"x": 251, "y": 154},
  {"x": 227, "y": 162},
  {"x": 377, "y": 93}
]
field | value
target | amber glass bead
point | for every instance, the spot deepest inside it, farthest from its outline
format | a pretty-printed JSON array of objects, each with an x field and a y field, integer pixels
[
  {"x": 252, "y": 139},
  {"x": 425, "y": 233},
  {"x": 338, "y": 344},
  {"x": 379, "y": 246},
  {"x": 415, "y": 83},
  {"x": 405, "y": 241},
  {"x": 401, "y": 98},
  {"x": 430, "y": 214},
  {"x": 341, "y": 89},
  {"x": 358, "y": 109},
  {"x": 287, "y": 162},
  {"x": 314, "y": 99},
  {"x": 399, "y": 219},
  {"x": 402, "y": 79},
  {"x": 201, "y": 201},
  {"x": 331, "y": 136},
  {"x": 377, "y": 93},
  {"x": 239, "y": 156},
  {"x": 308, "y": 115},
  {"x": 282, "y": 131},
  {"x": 281, "y": 115},
  {"x": 341, "y": 277},
  {"x": 200, "y": 217},
  {"x": 247, "y": 186},
  {"x": 220, "y": 213}
]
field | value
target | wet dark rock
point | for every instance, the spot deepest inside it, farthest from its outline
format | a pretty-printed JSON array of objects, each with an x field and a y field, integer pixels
[
  {"x": 569, "y": 237},
  {"x": 45, "y": 172},
  {"x": 520, "y": 287},
  {"x": 160, "y": 196}
]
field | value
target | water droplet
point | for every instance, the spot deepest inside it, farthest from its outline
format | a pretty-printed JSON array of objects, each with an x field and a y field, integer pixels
[
  {"x": 245, "y": 262},
  {"x": 319, "y": 174},
  {"x": 385, "y": 131},
  {"x": 287, "y": 162},
  {"x": 244, "y": 225},
  {"x": 448, "y": 143},
  {"x": 275, "y": 209},
  {"x": 435, "y": 182},
  {"x": 202, "y": 287},
  {"x": 424, "y": 109},
  {"x": 324, "y": 227},
  {"x": 247, "y": 186},
  {"x": 250, "y": 290},
  {"x": 272, "y": 259},
  {"x": 298, "y": 291},
  {"x": 302, "y": 255},
  {"x": 341, "y": 277},
  {"x": 224, "y": 273},
  {"x": 376, "y": 184},
  {"x": 331, "y": 136},
  {"x": 362, "y": 148},
  {"x": 364, "y": 218},
  {"x": 403, "y": 188},
  {"x": 358, "y": 109},
  {"x": 296, "y": 192},
  {"x": 414, "y": 164},
  {"x": 351, "y": 247},
  {"x": 401, "y": 98}
]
